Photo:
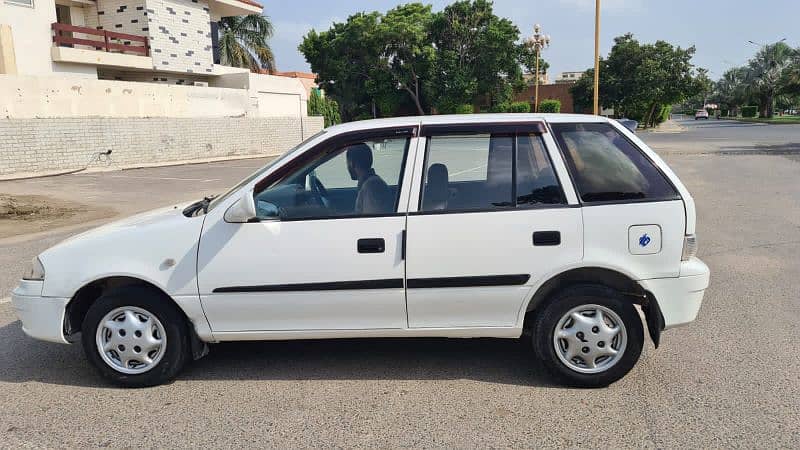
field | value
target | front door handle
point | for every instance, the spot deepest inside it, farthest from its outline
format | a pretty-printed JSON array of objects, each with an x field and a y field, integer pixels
[
  {"x": 377, "y": 245},
  {"x": 547, "y": 238}
]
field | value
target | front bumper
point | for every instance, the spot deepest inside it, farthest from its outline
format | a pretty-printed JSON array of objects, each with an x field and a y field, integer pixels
[
  {"x": 680, "y": 298},
  {"x": 41, "y": 317}
]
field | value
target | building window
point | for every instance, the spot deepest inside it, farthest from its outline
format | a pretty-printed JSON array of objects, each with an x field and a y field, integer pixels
[{"x": 28, "y": 3}]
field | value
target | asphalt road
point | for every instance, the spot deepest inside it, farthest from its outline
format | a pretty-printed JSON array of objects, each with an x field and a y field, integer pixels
[{"x": 731, "y": 379}]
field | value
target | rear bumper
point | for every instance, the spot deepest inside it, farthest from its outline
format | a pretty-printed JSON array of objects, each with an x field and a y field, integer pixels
[
  {"x": 41, "y": 317},
  {"x": 680, "y": 298}
]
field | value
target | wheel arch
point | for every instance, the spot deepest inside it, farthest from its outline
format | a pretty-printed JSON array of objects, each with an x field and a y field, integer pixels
[
  {"x": 87, "y": 294},
  {"x": 610, "y": 278}
]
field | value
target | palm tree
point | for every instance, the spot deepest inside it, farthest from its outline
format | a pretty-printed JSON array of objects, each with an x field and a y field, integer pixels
[
  {"x": 764, "y": 74},
  {"x": 243, "y": 42},
  {"x": 731, "y": 89}
]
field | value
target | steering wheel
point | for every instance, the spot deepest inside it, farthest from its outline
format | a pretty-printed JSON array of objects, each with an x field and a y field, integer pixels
[{"x": 319, "y": 190}]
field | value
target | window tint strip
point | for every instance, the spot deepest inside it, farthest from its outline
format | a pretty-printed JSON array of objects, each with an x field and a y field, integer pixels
[{"x": 536, "y": 127}]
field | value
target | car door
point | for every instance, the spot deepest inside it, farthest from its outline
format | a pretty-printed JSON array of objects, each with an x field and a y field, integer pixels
[
  {"x": 313, "y": 261},
  {"x": 488, "y": 221}
]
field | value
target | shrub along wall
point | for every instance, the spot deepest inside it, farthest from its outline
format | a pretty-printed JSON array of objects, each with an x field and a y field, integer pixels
[{"x": 550, "y": 106}]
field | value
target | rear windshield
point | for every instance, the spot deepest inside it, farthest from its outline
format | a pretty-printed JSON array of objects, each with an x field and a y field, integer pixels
[{"x": 607, "y": 167}]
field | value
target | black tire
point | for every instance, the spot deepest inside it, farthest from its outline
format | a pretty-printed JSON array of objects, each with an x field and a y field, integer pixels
[
  {"x": 548, "y": 315},
  {"x": 171, "y": 318}
]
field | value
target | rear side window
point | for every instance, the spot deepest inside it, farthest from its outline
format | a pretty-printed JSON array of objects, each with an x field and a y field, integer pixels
[
  {"x": 607, "y": 167},
  {"x": 488, "y": 172}
]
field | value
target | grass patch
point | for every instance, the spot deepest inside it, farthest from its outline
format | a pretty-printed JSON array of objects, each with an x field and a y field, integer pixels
[{"x": 774, "y": 120}]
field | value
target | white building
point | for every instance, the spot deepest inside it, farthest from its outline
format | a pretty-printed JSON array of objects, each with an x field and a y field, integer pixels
[
  {"x": 568, "y": 77},
  {"x": 154, "y": 41},
  {"x": 139, "y": 77}
]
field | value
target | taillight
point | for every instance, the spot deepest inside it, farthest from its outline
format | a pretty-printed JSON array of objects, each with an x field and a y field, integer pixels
[{"x": 689, "y": 247}]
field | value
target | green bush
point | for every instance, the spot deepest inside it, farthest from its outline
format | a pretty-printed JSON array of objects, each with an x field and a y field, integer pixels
[
  {"x": 324, "y": 106},
  {"x": 723, "y": 112},
  {"x": 520, "y": 107},
  {"x": 503, "y": 107},
  {"x": 550, "y": 106},
  {"x": 749, "y": 111},
  {"x": 665, "y": 112},
  {"x": 464, "y": 109}
]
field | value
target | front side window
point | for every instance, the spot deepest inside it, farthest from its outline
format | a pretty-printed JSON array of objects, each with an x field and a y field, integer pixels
[
  {"x": 607, "y": 167},
  {"x": 358, "y": 179},
  {"x": 487, "y": 172}
]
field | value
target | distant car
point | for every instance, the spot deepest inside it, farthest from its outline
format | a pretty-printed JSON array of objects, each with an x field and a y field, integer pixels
[
  {"x": 701, "y": 114},
  {"x": 559, "y": 228}
]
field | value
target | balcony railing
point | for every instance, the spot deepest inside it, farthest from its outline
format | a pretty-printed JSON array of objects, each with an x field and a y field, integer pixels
[{"x": 64, "y": 36}]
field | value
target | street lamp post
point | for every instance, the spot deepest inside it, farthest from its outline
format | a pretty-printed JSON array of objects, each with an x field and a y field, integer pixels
[
  {"x": 597, "y": 57},
  {"x": 538, "y": 42}
]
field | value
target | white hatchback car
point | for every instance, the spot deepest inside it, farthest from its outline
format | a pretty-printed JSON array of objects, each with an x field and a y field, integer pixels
[{"x": 553, "y": 227}]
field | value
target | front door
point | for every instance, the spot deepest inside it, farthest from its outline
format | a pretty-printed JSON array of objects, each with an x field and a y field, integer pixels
[
  {"x": 491, "y": 223},
  {"x": 326, "y": 253}
]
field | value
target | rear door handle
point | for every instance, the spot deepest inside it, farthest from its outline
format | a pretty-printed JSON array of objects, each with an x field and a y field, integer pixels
[
  {"x": 377, "y": 245},
  {"x": 547, "y": 238}
]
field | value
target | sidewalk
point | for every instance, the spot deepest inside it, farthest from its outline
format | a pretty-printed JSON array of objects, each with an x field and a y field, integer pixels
[{"x": 670, "y": 126}]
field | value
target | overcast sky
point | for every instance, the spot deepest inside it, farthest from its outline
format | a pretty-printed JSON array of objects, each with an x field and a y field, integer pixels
[{"x": 719, "y": 29}]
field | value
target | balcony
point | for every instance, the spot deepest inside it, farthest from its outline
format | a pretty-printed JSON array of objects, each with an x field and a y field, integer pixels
[
  {"x": 63, "y": 37},
  {"x": 83, "y": 45}
]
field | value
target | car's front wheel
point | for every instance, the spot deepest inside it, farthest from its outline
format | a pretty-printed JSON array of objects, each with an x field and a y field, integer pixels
[
  {"x": 588, "y": 336},
  {"x": 135, "y": 337}
]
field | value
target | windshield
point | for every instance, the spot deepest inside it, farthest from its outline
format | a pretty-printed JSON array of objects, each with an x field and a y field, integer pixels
[{"x": 217, "y": 200}]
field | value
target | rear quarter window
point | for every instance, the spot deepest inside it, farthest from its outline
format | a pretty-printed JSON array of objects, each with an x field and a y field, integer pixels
[{"x": 607, "y": 167}]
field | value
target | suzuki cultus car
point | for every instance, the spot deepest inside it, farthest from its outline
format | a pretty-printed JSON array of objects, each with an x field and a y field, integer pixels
[{"x": 555, "y": 228}]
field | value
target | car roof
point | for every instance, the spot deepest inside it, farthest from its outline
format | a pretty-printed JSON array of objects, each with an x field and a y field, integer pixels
[{"x": 462, "y": 119}]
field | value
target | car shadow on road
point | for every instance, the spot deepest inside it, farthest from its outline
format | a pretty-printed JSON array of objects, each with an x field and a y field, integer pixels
[{"x": 504, "y": 361}]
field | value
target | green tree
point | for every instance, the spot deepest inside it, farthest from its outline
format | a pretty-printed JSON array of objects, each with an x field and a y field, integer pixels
[
  {"x": 243, "y": 42},
  {"x": 412, "y": 61},
  {"x": 325, "y": 107},
  {"x": 345, "y": 58},
  {"x": 408, "y": 54},
  {"x": 730, "y": 90},
  {"x": 477, "y": 55},
  {"x": 765, "y": 72},
  {"x": 637, "y": 80}
]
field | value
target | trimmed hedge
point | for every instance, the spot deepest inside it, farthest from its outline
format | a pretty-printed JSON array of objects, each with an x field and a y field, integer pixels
[
  {"x": 749, "y": 111},
  {"x": 500, "y": 108},
  {"x": 520, "y": 107},
  {"x": 550, "y": 106},
  {"x": 464, "y": 109}
]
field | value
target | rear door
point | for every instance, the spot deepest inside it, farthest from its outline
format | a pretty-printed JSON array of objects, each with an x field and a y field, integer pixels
[{"x": 488, "y": 220}]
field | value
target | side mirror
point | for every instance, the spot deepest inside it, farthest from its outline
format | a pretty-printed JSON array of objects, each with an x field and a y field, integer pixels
[{"x": 243, "y": 211}]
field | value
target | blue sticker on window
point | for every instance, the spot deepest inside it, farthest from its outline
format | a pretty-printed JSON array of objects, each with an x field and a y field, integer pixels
[{"x": 644, "y": 240}]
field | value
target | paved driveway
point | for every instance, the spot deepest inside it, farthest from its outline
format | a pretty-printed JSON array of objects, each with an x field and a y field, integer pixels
[{"x": 731, "y": 379}]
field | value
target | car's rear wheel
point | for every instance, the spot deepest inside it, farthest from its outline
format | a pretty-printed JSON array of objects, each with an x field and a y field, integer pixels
[
  {"x": 135, "y": 337},
  {"x": 588, "y": 336}
]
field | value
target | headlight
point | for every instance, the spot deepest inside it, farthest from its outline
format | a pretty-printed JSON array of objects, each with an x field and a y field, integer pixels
[
  {"x": 689, "y": 247},
  {"x": 36, "y": 272}
]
